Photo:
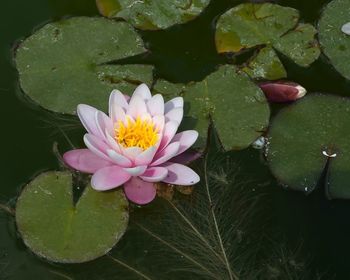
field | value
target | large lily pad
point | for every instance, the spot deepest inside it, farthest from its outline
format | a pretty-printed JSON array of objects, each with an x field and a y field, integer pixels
[
  {"x": 152, "y": 15},
  {"x": 300, "y": 138},
  {"x": 53, "y": 228},
  {"x": 336, "y": 44},
  {"x": 250, "y": 25},
  {"x": 236, "y": 105},
  {"x": 61, "y": 65}
]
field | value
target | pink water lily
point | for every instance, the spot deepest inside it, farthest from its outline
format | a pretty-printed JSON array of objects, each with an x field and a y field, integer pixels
[{"x": 136, "y": 145}]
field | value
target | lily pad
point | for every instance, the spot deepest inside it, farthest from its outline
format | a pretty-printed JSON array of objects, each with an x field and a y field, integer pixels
[
  {"x": 237, "y": 106},
  {"x": 266, "y": 65},
  {"x": 152, "y": 15},
  {"x": 335, "y": 43},
  {"x": 53, "y": 228},
  {"x": 62, "y": 64},
  {"x": 250, "y": 25},
  {"x": 307, "y": 135}
]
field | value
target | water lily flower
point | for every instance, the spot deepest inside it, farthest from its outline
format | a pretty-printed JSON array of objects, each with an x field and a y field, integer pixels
[
  {"x": 136, "y": 145},
  {"x": 282, "y": 91}
]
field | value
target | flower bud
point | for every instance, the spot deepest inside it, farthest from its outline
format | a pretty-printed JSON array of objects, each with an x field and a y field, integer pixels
[{"x": 282, "y": 91}]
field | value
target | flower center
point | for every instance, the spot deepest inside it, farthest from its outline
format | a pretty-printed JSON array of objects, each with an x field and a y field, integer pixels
[{"x": 139, "y": 133}]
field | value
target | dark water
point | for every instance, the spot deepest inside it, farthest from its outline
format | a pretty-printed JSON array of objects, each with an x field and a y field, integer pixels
[{"x": 182, "y": 53}]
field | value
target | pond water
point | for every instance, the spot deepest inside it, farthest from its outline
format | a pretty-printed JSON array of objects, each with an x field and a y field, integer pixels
[{"x": 316, "y": 228}]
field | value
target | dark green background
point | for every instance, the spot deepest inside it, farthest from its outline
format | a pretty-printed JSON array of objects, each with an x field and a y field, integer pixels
[{"x": 182, "y": 53}]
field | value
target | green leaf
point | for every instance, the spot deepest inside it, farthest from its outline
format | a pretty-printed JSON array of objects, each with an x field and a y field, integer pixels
[
  {"x": 53, "y": 228},
  {"x": 250, "y": 25},
  {"x": 265, "y": 65},
  {"x": 62, "y": 64},
  {"x": 301, "y": 134},
  {"x": 335, "y": 44},
  {"x": 236, "y": 105},
  {"x": 152, "y": 15}
]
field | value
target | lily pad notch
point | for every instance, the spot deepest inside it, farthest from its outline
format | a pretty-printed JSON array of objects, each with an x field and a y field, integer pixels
[
  {"x": 55, "y": 229},
  {"x": 271, "y": 28},
  {"x": 73, "y": 63}
]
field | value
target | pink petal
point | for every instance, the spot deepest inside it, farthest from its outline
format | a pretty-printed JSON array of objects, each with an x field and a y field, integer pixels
[
  {"x": 137, "y": 170},
  {"x": 119, "y": 159},
  {"x": 146, "y": 156},
  {"x": 175, "y": 115},
  {"x": 166, "y": 154},
  {"x": 139, "y": 191},
  {"x": 112, "y": 143},
  {"x": 168, "y": 134},
  {"x": 84, "y": 160},
  {"x": 154, "y": 174},
  {"x": 86, "y": 115},
  {"x": 186, "y": 157},
  {"x": 177, "y": 102},
  {"x": 179, "y": 174},
  {"x": 117, "y": 99},
  {"x": 156, "y": 105},
  {"x": 132, "y": 152},
  {"x": 96, "y": 145},
  {"x": 143, "y": 92},
  {"x": 137, "y": 107},
  {"x": 103, "y": 123},
  {"x": 108, "y": 178},
  {"x": 186, "y": 138}
]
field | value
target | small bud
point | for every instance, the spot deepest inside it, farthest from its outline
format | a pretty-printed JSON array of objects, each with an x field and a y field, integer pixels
[
  {"x": 281, "y": 91},
  {"x": 346, "y": 28}
]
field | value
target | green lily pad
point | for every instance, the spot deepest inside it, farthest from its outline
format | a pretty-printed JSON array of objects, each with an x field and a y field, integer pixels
[
  {"x": 300, "y": 138},
  {"x": 250, "y": 25},
  {"x": 336, "y": 44},
  {"x": 265, "y": 65},
  {"x": 62, "y": 64},
  {"x": 238, "y": 107},
  {"x": 152, "y": 15},
  {"x": 53, "y": 228}
]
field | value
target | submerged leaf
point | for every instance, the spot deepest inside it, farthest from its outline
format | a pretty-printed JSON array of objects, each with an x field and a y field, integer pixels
[
  {"x": 238, "y": 107},
  {"x": 309, "y": 137},
  {"x": 276, "y": 27},
  {"x": 53, "y": 228},
  {"x": 152, "y": 15},
  {"x": 335, "y": 43},
  {"x": 62, "y": 64}
]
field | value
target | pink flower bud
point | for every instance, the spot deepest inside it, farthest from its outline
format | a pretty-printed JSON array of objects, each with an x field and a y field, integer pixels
[{"x": 282, "y": 91}]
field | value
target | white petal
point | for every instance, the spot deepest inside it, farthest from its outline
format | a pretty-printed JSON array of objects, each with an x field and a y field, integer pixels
[
  {"x": 119, "y": 159},
  {"x": 96, "y": 145},
  {"x": 103, "y": 123},
  {"x": 177, "y": 102},
  {"x": 137, "y": 107},
  {"x": 117, "y": 99},
  {"x": 137, "y": 170},
  {"x": 175, "y": 115},
  {"x": 156, "y": 105},
  {"x": 143, "y": 92}
]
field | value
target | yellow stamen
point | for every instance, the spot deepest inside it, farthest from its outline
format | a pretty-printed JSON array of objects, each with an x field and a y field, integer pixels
[{"x": 138, "y": 133}]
